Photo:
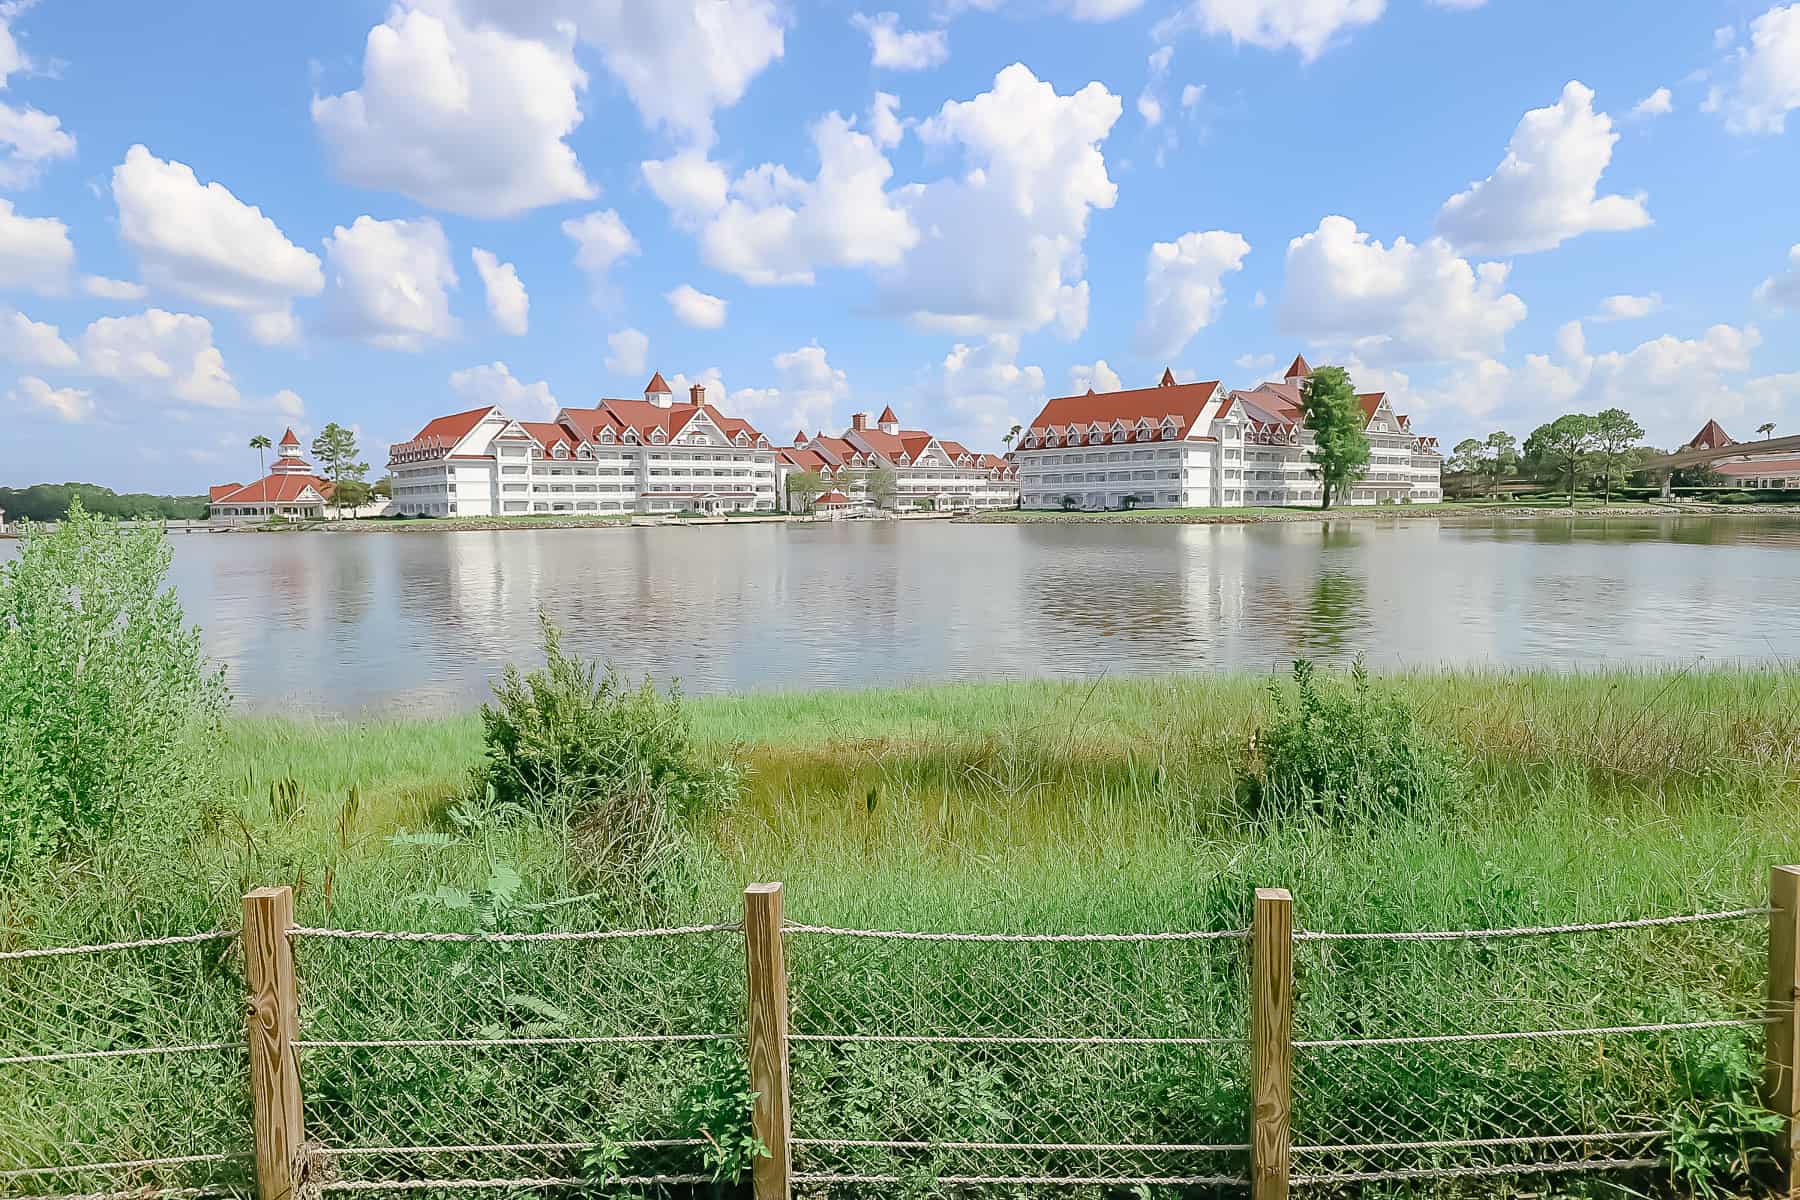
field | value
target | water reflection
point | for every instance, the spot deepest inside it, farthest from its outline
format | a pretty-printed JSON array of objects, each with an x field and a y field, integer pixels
[{"x": 424, "y": 620}]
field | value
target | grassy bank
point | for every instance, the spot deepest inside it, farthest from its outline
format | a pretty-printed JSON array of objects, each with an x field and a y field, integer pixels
[
  {"x": 1045, "y": 807},
  {"x": 1520, "y": 509}
]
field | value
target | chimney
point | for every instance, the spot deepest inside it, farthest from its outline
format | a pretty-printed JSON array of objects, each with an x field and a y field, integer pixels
[
  {"x": 859, "y": 421},
  {"x": 697, "y": 395}
]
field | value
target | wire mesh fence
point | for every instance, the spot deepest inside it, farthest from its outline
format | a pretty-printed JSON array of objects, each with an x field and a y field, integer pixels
[
  {"x": 122, "y": 1069},
  {"x": 445, "y": 1062}
]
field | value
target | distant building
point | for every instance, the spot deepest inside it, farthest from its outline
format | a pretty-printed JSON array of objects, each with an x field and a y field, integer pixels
[
  {"x": 929, "y": 472},
  {"x": 1189, "y": 445},
  {"x": 290, "y": 490},
  {"x": 1780, "y": 470},
  {"x": 640, "y": 456}
]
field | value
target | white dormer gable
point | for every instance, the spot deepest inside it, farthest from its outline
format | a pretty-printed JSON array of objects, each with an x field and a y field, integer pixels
[
  {"x": 658, "y": 435},
  {"x": 606, "y": 436}
]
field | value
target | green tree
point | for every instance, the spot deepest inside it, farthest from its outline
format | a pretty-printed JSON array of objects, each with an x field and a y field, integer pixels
[
  {"x": 1560, "y": 448},
  {"x": 803, "y": 488},
  {"x": 1767, "y": 428},
  {"x": 351, "y": 493},
  {"x": 335, "y": 450},
  {"x": 1340, "y": 453},
  {"x": 1616, "y": 438},
  {"x": 384, "y": 487},
  {"x": 1010, "y": 435},
  {"x": 882, "y": 485},
  {"x": 1499, "y": 458},
  {"x": 1465, "y": 459},
  {"x": 259, "y": 443}
]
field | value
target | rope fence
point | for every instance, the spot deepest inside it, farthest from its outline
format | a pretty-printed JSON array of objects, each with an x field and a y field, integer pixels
[{"x": 821, "y": 1061}]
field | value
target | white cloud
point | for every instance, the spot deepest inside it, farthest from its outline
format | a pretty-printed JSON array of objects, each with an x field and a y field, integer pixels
[
  {"x": 885, "y": 124},
  {"x": 494, "y": 383},
  {"x": 507, "y": 302},
  {"x": 807, "y": 395},
  {"x": 1723, "y": 37},
  {"x": 999, "y": 247},
  {"x": 1099, "y": 376},
  {"x": 1307, "y": 26},
  {"x": 1192, "y": 94},
  {"x": 70, "y": 404},
  {"x": 1394, "y": 304},
  {"x": 1657, "y": 104},
  {"x": 288, "y": 403},
  {"x": 983, "y": 391},
  {"x": 13, "y": 58},
  {"x": 202, "y": 242},
  {"x": 1545, "y": 191},
  {"x": 163, "y": 354},
  {"x": 900, "y": 49},
  {"x": 694, "y": 307},
  {"x": 1628, "y": 308},
  {"x": 100, "y": 287},
  {"x": 1149, "y": 108},
  {"x": 776, "y": 228},
  {"x": 1767, "y": 86},
  {"x": 35, "y": 252},
  {"x": 390, "y": 282},
  {"x": 278, "y": 328},
  {"x": 460, "y": 117},
  {"x": 1254, "y": 362},
  {"x": 1102, "y": 10},
  {"x": 630, "y": 349},
  {"x": 32, "y": 140},
  {"x": 1781, "y": 291},
  {"x": 1184, "y": 288},
  {"x": 680, "y": 61},
  {"x": 689, "y": 183},
  {"x": 34, "y": 343},
  {"x": 601, "y": 240}
]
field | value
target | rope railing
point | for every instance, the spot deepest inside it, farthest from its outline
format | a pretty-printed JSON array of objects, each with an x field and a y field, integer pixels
[
  {"x": 1458, "y": 935},
  {"x": 552, "y": 935},
  {"x": 183, "y": 939}
]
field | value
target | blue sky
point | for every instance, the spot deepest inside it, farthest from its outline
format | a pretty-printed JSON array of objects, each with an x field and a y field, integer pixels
[{"x": 216, "y": 220}]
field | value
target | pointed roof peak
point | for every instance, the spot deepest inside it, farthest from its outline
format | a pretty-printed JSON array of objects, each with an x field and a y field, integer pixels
[
  {"x": 288, "y": 438},
  {"x": 887, "y": 414},
  {"x": 1090, "y": 390},
  {"x": 1298, "y": 368},
  {"x": 657, "y": 384},
  {"x": 1167, "y": 380}
]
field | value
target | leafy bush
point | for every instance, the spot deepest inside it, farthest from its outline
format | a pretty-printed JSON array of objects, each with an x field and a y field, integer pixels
[
  {"x": 109, "y": 712},
  {"x": 616, "y": 765},
  {"x": 1345, "y": 753},
  {"x": 1722, "y": 1136}
]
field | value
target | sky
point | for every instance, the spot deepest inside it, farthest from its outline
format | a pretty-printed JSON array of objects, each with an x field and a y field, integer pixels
[{"x": 220, "y": 220}]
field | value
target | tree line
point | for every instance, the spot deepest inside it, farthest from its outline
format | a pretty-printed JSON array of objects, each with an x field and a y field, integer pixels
[{"x": 50, "y": 502}]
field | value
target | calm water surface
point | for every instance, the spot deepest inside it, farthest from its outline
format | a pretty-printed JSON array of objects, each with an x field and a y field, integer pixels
[{"x": 423, "y": 621}]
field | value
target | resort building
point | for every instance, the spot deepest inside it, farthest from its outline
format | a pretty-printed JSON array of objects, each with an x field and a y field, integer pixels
[
  {"x": 929, "y": 472},
  {"x": 1191, "y": 445},
  {"x": 1779, "y": 470},
  {"x": 290, "y": 490},
  {"x": 639, "y": 456}
]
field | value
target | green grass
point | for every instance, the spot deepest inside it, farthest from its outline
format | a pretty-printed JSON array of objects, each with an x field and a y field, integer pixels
[{"x": 1041, "y": 806}]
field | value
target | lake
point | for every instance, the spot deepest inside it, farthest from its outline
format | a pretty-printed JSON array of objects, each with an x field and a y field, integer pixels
[{"x": 422, "y": 621}]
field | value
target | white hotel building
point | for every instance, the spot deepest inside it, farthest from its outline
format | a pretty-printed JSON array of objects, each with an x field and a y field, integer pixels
[
  {"x": 929, "y": 472},
  {"x": 621, "y": 456},
  {"x": 1187, "y": 445}
]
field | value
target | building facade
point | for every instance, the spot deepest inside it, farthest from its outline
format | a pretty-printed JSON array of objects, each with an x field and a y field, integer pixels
[
  {"x": 290, "y": 491},
  {"x": 622, "y": 456},
  {"x": 930, "y": 473},
  {"x": 1780, "y": 470},
  {"x": 1192, "y": 445}
]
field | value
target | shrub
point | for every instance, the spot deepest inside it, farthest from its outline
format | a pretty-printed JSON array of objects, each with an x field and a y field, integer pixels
[
  {"x": 1345, "y": 753},
  {"x": 614, "y": 764},
  {"x": 109, "y": 713}
]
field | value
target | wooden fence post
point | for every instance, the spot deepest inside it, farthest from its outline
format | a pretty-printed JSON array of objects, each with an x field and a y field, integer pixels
[
  {"x": 768, "y": 1026},
  {"x": 1781, "y": 1039},
  {"x": 1271, "y": 1042},
  {"x": 274, "y": 1016}
]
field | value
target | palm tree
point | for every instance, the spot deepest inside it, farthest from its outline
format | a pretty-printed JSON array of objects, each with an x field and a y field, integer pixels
[
  {"x": 1766, "y": 428},
  {"x": 1010, "y": 435},
  {"x": 259, "y": 443}
]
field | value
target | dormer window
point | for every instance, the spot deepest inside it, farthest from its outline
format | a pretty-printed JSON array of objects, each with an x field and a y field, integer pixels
[
  {"x": 606, "y": 437},
  {"x": 658, "y": 436},
  {"x": 741, "y": 439},
  {"x": 561, "y": 450}
]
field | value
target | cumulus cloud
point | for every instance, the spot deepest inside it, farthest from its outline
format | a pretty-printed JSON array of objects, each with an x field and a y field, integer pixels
[
  {"x": 1404, "y": 303},
  {"x": 1781, "y": 291},
  {"x": 601, "y": 240},
  {"x": 30, "y": 141},
  {"x": 629, "y": 351},
  {"x": 102, "y": 288},
  {"x": 201, "y": 242},
  {"x": 1767, "y": 83},
  {"x": 35, "y": 252},
  {"x": 69, "y": 404},
  {"x": 900, "y": 49},
  {"x": 982, "y": 391},
  {"x": 161, "y": 354},
  {"x": 391, "y": 283},
  {"x": 493, "y": 383},
  {"x": 807, "y": 394},
  {"x": 1254, "y": 362},
  {"x": 696, "y": 308},
  {"x": 1184, "y": 288},
  {"x": 458, "y": 116},
  {"x": 1628, "y": 308},
  {"x": 1098, "y": 376},
  {"x": 885, "y": 123},
  {"x": 1308, "y": 27},
  {"x": 34, "y": 343},
  {"x": 1545, "y": 191},
  {"x": 1659, "y": 103},
  {"x": 507, "y": 302}
]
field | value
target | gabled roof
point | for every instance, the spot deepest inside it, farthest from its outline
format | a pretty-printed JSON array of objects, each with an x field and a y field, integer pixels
[
  {"x": 1712, "y": 436},
  {"x": 1167, "y": 380},
  {"x": 454, "y": 427},
  {"x": 288, "y": 439},
  {"x": 657, "y": 384},
  {"x": 887, "y": 415},
  {"x": 548, "y": 433},
  {"x": 272, "y": 489},
  {"x": 1298, "y": 367},
  {"x": 1370, "y": 401},
  {"x": 1752, "y": 468},
  {"x": 221, "y": 489},
  {"x": 1184, "y": 401}
]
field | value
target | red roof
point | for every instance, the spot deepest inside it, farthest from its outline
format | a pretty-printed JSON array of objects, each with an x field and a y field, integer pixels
[
  {"x": 288, "y": 439},
  {"x": 1184, "y": 401},
  {"x": 1167, "y": 380},
  {"x": 1298, "y": 367},
  {"x": 455, "y": 426},
  {"x": 290, "y": 462},
  {"x": 1755, "y": 468},
  {"x": 887, "y": 414},
  {"x": 656, "y": 384},
  {"x": 274, "y": 489},
  {"x": 833, "y": 498},
  {"x": 1712, "y": 436},
  {"x": 548, "y": 433},
  {"x": 221, "y": 489},
  {"x": 1370, "y": 401}
]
